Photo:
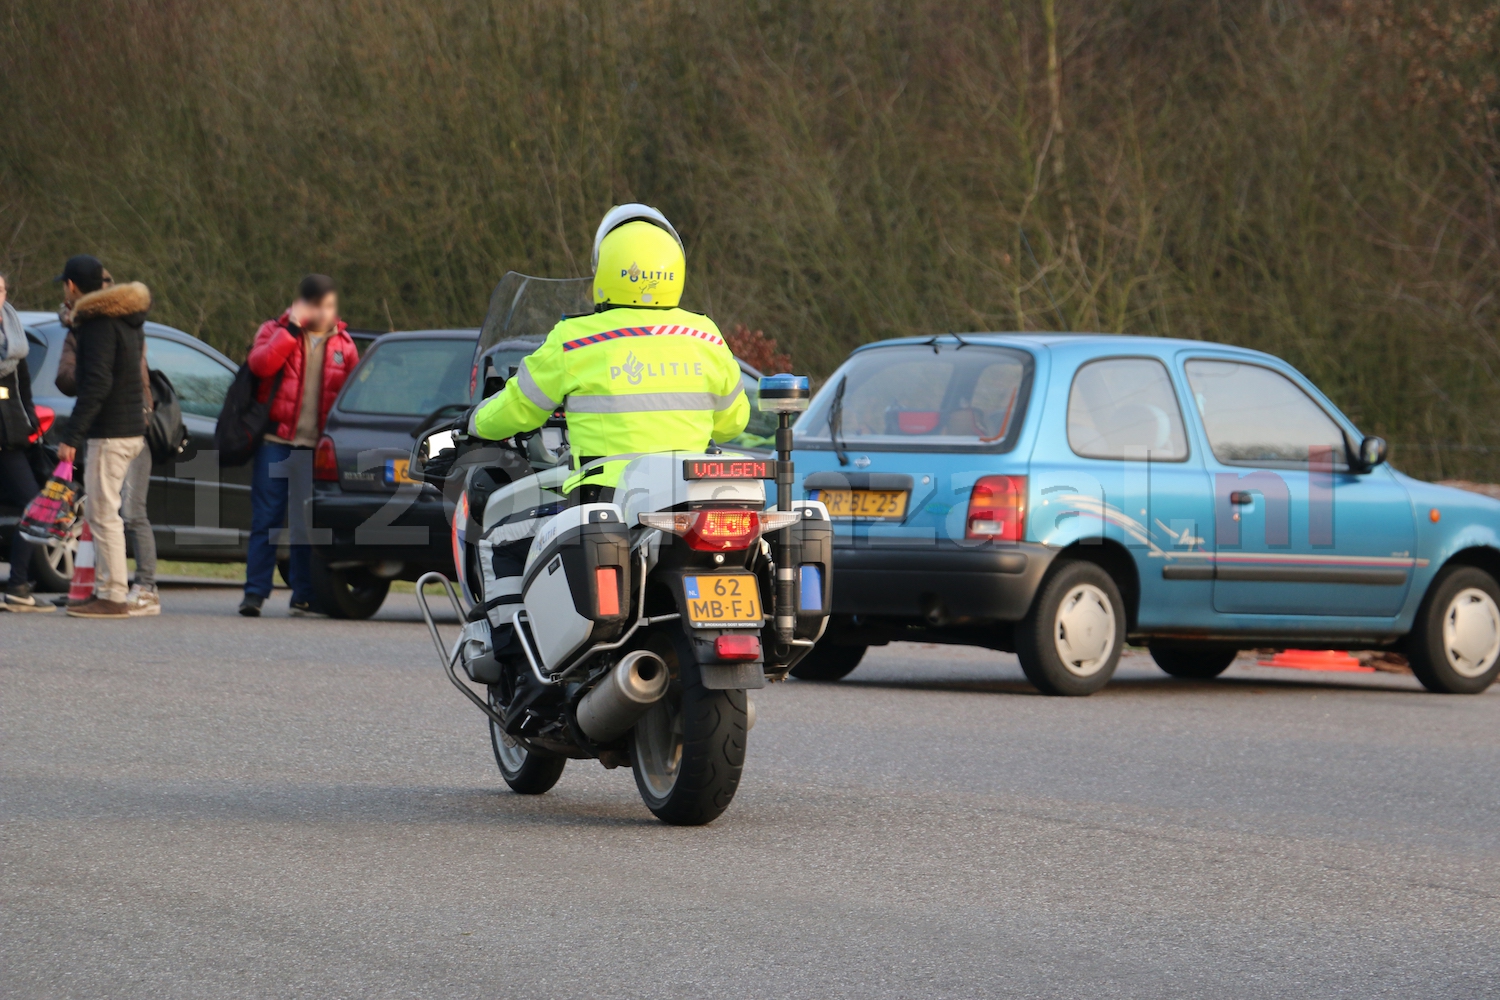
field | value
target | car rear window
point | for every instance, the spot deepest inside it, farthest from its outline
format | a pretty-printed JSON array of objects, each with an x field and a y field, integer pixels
[
  {"x": 923, "y": 396},
  {"x": 410, "y": 377}
]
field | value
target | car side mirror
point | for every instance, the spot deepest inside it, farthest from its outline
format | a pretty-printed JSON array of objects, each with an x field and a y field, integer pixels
[{"x": 1371, "y": 453}]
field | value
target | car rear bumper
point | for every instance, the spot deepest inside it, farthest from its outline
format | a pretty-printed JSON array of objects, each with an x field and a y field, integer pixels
[
  {"x": 358, "y": 528},
  {"x": 939, "y": 585}
]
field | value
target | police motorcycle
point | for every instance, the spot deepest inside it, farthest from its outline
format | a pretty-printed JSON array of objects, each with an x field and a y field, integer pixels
[{"x": 645, "y": 614}]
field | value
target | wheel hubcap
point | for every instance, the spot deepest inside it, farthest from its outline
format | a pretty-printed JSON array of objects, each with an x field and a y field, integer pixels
[
  {"x": 658, "y": 745},
  {"x": 1471, "y": 632},
  {"x": 1085, "y": 630},
  {"x": 60, "y": 554}
]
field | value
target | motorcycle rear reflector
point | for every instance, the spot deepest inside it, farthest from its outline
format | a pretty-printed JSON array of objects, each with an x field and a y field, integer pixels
[
  {"x": 325, "y": 461},
  {"x": 737, "y": 647},
  {"x": 720, "y": 530},
  {"x": 997, "y": 509},
  {"x": 810, "y": 587},
  {"x": 728, "y": 468},
  {"x": 607, "y": 582}
]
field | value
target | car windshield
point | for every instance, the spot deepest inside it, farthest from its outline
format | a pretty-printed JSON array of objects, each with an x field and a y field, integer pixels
[
  {"x": 410, "y": 377},
  {"x": 922, "y": 396}
]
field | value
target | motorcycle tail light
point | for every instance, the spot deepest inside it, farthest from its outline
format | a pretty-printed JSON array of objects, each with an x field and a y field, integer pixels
[
  {"x": 997, "y": 509},
  {"x": 325, "y": 461},
  {"x": 607, "y": 583},
  {"x": 737, "y": 646},
  {"x": 720, "y": 530}
]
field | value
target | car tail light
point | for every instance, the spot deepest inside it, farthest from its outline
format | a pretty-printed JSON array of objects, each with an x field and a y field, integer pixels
[
  {"x": 325, "y": 461},
  {"x": 737, "y": 646},
  {"x": 997, "y": 509},
  {"x": 44, "y": 416},
  {"x": 720, "y": 530},
  {"x": 607, "y": 583}
]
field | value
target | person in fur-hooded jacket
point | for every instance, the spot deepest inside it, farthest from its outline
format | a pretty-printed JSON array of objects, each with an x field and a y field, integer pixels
[{"x": 110, "y": 416}]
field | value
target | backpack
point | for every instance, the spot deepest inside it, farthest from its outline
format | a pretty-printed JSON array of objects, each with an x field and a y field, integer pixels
[
  {"x": 244, "y": 420},
  {"x": 165, "y": 434}
]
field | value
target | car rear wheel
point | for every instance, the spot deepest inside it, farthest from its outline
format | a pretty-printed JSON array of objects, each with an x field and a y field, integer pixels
[
  {"x": 1070, "y": 641},
  {"x": 348, "y": 592},
  {"x": 52, "y": 564},
  {"x": 1454, "y": 647},
  {"x": 1192, "y": 660},
  {"x": 828, "y": 663}
]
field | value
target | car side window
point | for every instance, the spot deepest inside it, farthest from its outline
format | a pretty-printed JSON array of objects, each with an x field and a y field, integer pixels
[
  {"x": 1125, "y": 408},
  {"x": 1257, "y": 416},
  {"x": 201, "y": 381},
  {"x": 36, "y": 356}
]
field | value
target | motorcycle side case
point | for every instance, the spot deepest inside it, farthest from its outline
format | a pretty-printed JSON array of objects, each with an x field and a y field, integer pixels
[
  {"x": 812, "y": 548},
  {"x": 560, "y": 588}
]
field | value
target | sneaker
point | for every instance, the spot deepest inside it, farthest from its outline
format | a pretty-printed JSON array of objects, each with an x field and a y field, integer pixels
[
  {"x": 304, "y": 609},
  {"x": 99, "y": 608},
  {"x": 250, "y": 606},
  {"x": 18, "y": 598},
  {"x": 142, "y": 601}
]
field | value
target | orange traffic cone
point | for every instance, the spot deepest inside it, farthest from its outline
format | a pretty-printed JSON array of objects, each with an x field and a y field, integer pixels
[
  {"x": 1317, "y": 659},
  {"x": 82, "y": 587}
]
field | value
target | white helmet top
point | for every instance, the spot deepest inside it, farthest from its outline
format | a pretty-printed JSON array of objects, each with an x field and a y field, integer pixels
[{"x": 621, "y": 214}]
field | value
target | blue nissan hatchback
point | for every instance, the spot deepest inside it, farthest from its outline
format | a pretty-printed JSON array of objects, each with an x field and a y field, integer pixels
[{"x": 1057, "y": 495}]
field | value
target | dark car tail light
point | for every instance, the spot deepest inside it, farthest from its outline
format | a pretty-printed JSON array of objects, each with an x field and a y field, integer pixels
[
  {"x": 325, "y": 461},
  {"x": 44, "y": 416},
  {"x": 997, "y": 509}
]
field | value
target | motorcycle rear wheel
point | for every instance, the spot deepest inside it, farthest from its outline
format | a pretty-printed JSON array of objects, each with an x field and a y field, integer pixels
[
  {"x": 525, "y": 771},
  {"x": 688, "y": 751}
]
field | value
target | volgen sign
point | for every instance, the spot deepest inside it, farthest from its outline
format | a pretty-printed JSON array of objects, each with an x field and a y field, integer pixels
[{"x": 728, "y": 468}]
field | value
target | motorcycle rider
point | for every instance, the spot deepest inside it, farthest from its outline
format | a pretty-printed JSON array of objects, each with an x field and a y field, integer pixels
[{"x": 637, "y": 375}]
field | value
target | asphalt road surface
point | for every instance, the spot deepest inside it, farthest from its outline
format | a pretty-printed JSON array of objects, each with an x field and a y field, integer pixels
[{"x": 202, "y": 805}]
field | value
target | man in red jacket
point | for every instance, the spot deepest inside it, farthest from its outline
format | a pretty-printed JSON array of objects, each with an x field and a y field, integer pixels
[{"x": 303, "y": 358}]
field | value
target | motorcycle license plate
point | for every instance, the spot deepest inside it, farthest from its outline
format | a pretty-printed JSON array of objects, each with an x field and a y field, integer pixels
[
  {"x": 395, "y": 471},
  {"x": 881, "y": 504},
  {"x": 723, "y": 600}
]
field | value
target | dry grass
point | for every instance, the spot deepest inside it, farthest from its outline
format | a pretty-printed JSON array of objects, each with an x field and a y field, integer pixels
[{"x": 1295, "y": 176}]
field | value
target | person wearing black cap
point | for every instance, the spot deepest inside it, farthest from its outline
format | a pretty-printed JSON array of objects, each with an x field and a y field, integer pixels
[{"x": 109, "y": 416}]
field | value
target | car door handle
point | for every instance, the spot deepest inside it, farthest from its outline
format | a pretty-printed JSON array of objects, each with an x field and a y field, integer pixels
[{"x": 1241, "y": 497}]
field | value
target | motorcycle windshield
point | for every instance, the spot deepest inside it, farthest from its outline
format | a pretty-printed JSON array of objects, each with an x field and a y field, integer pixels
[{"x": 525, "y": 307}]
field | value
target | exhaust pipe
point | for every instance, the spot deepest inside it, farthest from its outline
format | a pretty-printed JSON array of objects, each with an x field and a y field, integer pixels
[{"x": 636, "y": 683}]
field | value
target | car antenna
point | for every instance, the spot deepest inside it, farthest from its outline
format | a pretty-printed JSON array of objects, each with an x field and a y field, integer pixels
[{"x": 836, "y": 421}]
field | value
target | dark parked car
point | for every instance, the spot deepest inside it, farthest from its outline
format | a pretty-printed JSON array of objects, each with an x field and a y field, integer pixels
[
  {"x": 373, "y": 523},
  {"x": 198, "y": 512}
]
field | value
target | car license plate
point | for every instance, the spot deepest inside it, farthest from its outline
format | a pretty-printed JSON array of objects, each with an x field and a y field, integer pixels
[
  {"x": 723, "y": 600},
  {"x": 395, "y": 471},
  {"x": 883, "y": 504}
]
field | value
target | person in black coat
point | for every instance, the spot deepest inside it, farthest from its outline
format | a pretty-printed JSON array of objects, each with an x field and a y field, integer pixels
[
  {"x": 18, "y": 422},
  {"x": 109, "y": 416}
]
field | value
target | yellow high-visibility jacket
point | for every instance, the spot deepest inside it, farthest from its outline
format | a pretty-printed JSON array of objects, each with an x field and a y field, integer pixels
[{"x": 631, "y": 381}]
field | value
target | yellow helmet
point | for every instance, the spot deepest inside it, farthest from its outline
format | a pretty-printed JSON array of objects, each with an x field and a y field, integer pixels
[{"x": 638, "y": 262}]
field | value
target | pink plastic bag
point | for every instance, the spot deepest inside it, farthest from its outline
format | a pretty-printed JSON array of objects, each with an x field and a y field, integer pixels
[{"x": 53, "y": 512}]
